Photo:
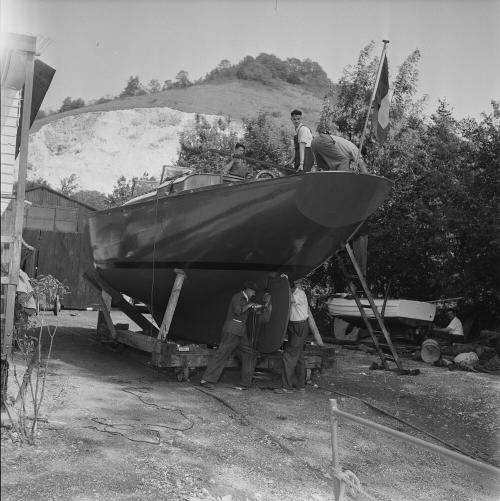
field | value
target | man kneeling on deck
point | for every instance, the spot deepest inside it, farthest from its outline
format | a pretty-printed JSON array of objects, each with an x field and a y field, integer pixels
[
  {"x": 234, "y": 336},
  {"x": 333, "y": 152}
]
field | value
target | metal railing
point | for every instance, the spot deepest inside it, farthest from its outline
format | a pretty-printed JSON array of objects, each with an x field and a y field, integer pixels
[{"x": 341, "y": 481}]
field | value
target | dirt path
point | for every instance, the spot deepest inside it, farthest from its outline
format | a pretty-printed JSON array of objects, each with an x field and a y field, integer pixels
[{"x": 119, "y": 429}]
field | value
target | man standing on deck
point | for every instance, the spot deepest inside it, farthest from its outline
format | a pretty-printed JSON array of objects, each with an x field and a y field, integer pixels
[
  {"x": 303, "y": 159},
  {"x": 333, "y": 152},
  {"x": 237, "y": 166},
  {"x": 234, "y": 335}
]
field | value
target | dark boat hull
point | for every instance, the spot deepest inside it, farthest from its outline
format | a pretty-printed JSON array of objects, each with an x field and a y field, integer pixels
[{"x": 224, "y": 235}]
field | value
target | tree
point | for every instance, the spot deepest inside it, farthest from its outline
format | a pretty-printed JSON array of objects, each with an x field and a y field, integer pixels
[
  {"x": 438, "y": 233},
  {"x": 69, "y": 184},
  {"x": 104, "y": 99},
  {"x": 266, "y": 139},
  {"x": 325, "y": 119},
  {"x": 93, "y": 198},
  {"x": 34, "y": 183},
  {"x": 125, "y": 189},
  {"x": 70, "y": 104},
  {"x": 133, "y": 88},
  {"x": 182, "y": 79},
  {"x": 225, "y": 64},
  {"x": 197, "y": 140},
  {"x": 122, "y": 191},
  {"x": 154, "y": 86},
  {"x": 255, "y": 71}
]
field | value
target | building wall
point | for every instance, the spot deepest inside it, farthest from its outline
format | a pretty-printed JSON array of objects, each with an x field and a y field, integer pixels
[{"x": 57, "y": 227}]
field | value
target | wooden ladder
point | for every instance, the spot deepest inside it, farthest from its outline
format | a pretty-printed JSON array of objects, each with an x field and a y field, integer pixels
[{"x": 358, "y": 276}]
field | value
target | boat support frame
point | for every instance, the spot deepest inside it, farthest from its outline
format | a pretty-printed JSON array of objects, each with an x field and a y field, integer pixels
[{"x": 165, "y": 354}]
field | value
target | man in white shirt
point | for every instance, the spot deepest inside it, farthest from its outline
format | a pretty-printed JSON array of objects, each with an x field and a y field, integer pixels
[
  {"x": 294, "y": 368},
  {"x": 454, "y": 328},
  {"x": 333, "y": 152},
  {"x": 303, "y": 159}
]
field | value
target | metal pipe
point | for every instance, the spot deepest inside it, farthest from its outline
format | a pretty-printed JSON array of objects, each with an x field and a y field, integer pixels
[
  {"x": 338, "y": 485},
  {"x": 484, "y": 467}
]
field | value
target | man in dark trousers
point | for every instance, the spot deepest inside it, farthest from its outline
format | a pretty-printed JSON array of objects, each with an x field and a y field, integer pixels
[
  {"x": 303, "y": 158},
  {"x": 333, "y": 152},
  {"x": 294, "y": 367},
  {"x": 234, "y": 335}
]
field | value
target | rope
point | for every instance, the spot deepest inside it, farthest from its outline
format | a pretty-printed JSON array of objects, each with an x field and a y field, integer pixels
[
  {"x": 354, "y": 486},
  {"x": 160, "y": 407},
  {"x": 151, "y": 296},
  {"x": 111, "y": 432}
]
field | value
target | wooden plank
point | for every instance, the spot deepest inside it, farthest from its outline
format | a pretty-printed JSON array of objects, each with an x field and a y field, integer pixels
[
  {"x": 66, "y": 219},
  {"x": 8, "y": 321},
  {"x": 40, "y": 218},
  {"x": 172, "y": 303},
  {"x": 148, "y": 327},
  {"x": 65, "y": 256},
  {"x": 105, "y": 304},
  {"x": 136, "y": 340}
]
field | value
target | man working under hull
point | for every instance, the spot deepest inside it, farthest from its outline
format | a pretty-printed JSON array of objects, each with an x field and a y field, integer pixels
[
  {"x": 234, "y": 336},
  {"x": 294, "y": 365}
]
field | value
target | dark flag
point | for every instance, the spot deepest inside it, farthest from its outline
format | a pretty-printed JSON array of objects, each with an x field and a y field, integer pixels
[
  {"x": 380, "y": 118},
  {"x": 42, "y": 78}
]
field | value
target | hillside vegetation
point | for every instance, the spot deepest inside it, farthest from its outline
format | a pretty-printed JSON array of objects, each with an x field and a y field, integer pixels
[
  {"x": 237, "y": 99},
  {"x": 261, "y": 84}
]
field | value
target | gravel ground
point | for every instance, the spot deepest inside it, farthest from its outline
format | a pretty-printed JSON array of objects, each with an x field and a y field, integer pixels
[{"x": 118, "y": 429}]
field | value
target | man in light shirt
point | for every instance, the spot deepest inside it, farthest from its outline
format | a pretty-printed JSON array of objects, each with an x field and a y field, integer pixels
[
  {"x": 294, "y": 367},
  {"x": 454, "y": 328},
  {"x": 333, "y": 152},
  {"x": 303, "y": 158}
]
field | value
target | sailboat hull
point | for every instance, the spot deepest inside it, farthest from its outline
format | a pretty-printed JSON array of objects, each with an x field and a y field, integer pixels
[{"x": 224, "y": 235}]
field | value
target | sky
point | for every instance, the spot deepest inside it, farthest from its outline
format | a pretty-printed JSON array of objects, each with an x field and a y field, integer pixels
[{"x": 96, "y": 45}]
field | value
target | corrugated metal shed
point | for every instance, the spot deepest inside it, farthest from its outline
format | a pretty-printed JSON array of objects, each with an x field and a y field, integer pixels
[{"x": 57, "y": 227}]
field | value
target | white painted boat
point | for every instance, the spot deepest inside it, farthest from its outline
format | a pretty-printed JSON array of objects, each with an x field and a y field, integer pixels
[{"x": 412, "y": 313}]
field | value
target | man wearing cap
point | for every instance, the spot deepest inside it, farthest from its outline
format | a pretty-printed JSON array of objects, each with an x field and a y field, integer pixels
[{"x": 234, "y": 335}]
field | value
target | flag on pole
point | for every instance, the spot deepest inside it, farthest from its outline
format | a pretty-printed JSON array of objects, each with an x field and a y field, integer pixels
[{"x": 380, "y": 118}]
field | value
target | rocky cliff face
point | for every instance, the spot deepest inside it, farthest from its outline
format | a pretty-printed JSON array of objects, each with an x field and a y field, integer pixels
[{"x": 101, "y": 146}]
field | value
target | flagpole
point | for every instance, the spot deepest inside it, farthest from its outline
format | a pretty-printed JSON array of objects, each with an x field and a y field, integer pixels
[{"x": 379, "y": 71}]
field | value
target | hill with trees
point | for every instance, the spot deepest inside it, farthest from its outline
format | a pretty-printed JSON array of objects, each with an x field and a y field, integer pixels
[{"x": 264, "y": 83}]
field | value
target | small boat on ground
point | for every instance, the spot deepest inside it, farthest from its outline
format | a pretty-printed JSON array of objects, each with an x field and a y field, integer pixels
[
  {"x": 403, "y": 311},
  {"x": 222, "y": 234}
]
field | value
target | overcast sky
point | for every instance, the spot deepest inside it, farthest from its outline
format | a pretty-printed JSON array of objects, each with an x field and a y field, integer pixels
[{"x": 95, "y": 45}]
